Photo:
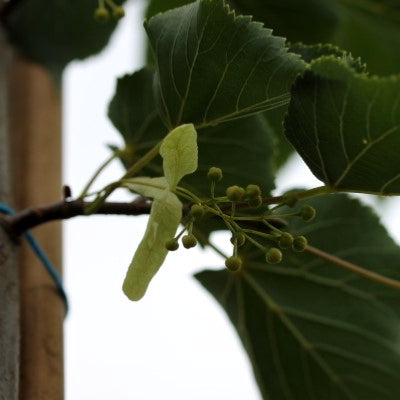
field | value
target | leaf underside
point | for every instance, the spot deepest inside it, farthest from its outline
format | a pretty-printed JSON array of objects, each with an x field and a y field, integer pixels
[
  {"x": 346, "y": 127},
  {"x": 312, "y": 330},
  {"x": 244, "y": 149},
  {"x": 213, "y": 66}
]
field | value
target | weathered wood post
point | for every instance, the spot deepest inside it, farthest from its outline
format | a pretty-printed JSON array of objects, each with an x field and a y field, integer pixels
[
  {"x": 9, "y": 303},
  {"x": 31, "y": 310}
]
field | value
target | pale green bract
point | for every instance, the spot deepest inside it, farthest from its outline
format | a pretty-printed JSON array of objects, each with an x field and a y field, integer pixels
[{"x": 179, "y": 152}]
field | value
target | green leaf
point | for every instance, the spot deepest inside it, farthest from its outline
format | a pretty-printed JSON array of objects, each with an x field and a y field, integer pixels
[
  {"x": 158, "y": 6},
  {"x": 315, "y": 21},
  {"x": 275, "y": 117},
  {"x": 311, "y": 53},
  {"x": 370, "y": 29},
  {"x": 165, "y": 216},
  {"x": 133, "y": 113},
  {"x": 346, "y": 126},
  {"x": 313, "y": 330},
  {"x": 242, "y": 148},
  {"x": 179, "y": 153},
  {"x": 54, "y": 33},
  {"x": 213, "y": 66}
]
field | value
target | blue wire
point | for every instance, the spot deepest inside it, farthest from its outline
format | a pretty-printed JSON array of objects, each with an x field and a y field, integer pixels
[{"x": 48, "y": 265}]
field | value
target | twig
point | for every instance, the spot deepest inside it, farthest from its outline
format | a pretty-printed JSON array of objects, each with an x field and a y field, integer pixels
[{"x": 29, "y": 218}]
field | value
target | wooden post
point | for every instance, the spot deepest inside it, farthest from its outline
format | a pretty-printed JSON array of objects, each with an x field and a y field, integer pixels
[
  {"x": 9, "y": 305},
  {"x": 35, "y": 124}
]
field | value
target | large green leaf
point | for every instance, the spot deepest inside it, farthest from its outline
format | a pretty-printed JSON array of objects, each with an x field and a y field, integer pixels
[
  {"x": 370, "y": 29},
  {"x": 213, "y": 66},
  {"x": 313, "y": 21},
  {"x": 275, "y": 117},
  {"x": 54, "y": 33},
  {"x": 312, "y": 330},
  {"x": 134, "y": 115},
  {"x": 243, "y": 148},
  {"x": 346, "y": 126}
]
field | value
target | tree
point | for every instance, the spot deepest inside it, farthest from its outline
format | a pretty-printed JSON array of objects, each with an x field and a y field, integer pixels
[{"x": 312, "y": 284}]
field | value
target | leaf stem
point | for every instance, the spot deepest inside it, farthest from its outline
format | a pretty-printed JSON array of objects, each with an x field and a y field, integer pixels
[
  {"x": 192, "y": 197},
  {"x": 202, "y": 237},
  {"x": 102, "y": 167},
  {"x": 372, "y": 276},
  {"x": 139, "y": 164},
  {"x": 272, "y": 227},
  {"x": 262, "y": 234},
  {"x": 318, "y": 191}
]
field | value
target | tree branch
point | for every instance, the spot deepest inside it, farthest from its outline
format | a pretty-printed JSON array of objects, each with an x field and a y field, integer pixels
[{"x": 15, "y": 225}]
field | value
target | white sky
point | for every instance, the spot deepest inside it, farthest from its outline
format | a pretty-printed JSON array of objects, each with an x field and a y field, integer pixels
[{"x": 176, "y": 343}]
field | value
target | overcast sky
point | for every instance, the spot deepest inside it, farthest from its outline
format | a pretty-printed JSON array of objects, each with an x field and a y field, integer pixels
[{"x": 176, "y": 343}]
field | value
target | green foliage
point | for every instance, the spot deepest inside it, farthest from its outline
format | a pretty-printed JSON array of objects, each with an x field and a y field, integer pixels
[
  {"x": 248, "y": 70},
  {"x": 319, "y": 316},
  {"x": 54, "y": 33},
  {"x": 246, "y": 143},
  {"x": 368, "y": 29},
  {"x": 311, "y": 329},
  {"x": 346, "y": 126}
]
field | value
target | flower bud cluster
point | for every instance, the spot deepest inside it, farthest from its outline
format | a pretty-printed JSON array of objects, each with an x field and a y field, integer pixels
[
  {"x": 242, "y": 226},
  {"x": 102, "y": 13}
]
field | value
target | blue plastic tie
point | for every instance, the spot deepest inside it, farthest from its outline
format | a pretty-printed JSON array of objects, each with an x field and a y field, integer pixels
[{"x": 48, "y": 265}]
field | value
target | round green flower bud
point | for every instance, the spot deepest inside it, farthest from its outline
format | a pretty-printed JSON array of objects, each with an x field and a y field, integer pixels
[
  {"x": 273, "y": 256},
  {"x": 285, "y": 241},
  {"x": 307, "y": 213},
  {"x": 101, "y": 14},
  {"x": 189, "y": 241},
  {"x": 290, "y": 201},
  {"x": 299, "y": 243},
  {"x": 172, "y": 245},
  {"x": 255, "y": 202},
  {"x": 240, "y": 237},
  {"x": 197, "y": 210},
  {"x": 233, "y": 263},
  {"x": 214, "y": 174},
  {"x": 235, "y": 193},
  {"x": 253, "y": 191},
  {"x": 119, "y": 12}
]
